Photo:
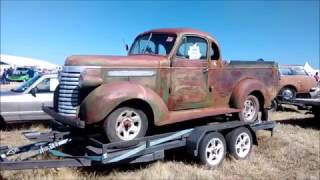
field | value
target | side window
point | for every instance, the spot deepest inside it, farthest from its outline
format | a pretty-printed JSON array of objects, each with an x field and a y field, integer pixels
[
  {"x": 192, "y": 48},
  {"x": 44, "y": 86},
  {"x": 53, "y": 84},
  {"x": 285, "y": 71},
  {"x": 47, "y": 85},
  {"x": 214, "y": 52}
]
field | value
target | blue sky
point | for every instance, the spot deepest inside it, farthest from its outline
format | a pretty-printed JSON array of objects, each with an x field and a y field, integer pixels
[{"x": 284, "y": 31}]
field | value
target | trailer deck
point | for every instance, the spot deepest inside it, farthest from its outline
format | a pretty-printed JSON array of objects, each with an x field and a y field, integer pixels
[{"x": 87, "y": 150}]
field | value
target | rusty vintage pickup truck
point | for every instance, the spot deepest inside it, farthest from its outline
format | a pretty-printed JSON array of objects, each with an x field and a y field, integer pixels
[{"x": 168, "y": 76}]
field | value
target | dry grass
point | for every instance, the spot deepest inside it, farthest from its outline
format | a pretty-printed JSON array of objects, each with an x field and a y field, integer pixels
[{"x": 292, "y": 153}]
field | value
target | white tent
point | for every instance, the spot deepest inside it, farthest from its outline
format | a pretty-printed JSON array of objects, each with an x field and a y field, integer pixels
[
  {"x": 17, "y": 61},
  {"x": 309, "y": 69}
]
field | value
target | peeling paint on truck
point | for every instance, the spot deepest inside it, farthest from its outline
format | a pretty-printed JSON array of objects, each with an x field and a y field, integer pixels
[{"x": 174, "y": 89}]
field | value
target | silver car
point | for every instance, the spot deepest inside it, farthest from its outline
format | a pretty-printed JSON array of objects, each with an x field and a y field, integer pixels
[{"x": 24, "y": 103}]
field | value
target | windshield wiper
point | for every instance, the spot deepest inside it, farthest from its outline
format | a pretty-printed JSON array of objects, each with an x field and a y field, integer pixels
[{"x": 145, "y": 48}]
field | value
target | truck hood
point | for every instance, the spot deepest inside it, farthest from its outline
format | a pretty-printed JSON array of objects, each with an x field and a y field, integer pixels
[{"x": 115, "y": 61}]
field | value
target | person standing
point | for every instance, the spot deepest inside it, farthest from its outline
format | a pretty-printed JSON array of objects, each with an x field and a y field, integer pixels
[
  {"x": 4, "y": 76},
  {"x": 317, "y": 77}
]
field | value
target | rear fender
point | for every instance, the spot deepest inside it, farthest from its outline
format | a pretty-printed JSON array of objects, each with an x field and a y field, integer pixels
[
  {"x": 105, "y": 98},
  {"x": 246, "y": 87}
]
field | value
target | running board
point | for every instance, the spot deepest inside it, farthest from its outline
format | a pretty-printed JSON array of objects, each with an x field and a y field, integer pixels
[{"x": 191, "y": 114}]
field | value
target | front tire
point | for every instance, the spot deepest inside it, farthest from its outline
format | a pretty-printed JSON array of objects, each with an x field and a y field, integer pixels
[
  {"x": 288, "y": 94},
  {"x": 125, "y": 123},
  {"x": 250, "y": 110}
]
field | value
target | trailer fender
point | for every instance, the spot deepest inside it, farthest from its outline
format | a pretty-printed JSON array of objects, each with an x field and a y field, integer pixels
[
  {"x": 194, "y": 140},
  {"x": 105, "y": 98},
  {"x": 246, "y": 87}
]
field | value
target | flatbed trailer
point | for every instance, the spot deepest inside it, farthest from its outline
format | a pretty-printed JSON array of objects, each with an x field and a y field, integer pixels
[
  {"x": 314, "y": 103},
  {"x": 209, "y": 143}
]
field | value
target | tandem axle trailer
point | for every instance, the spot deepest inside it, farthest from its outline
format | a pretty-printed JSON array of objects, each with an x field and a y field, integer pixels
[{"x": 208, "y": 143}]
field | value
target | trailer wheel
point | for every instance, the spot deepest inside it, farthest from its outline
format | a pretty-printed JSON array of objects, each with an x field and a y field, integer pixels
[
  {"x": 125, "y": 123},
  {"x": 212, "y": 150},
  {"x": 239, "y": 142},
  {"x": 250, "y": 110}
]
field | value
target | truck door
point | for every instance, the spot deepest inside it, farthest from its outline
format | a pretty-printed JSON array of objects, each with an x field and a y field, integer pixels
[{"x": 189, "y": 75}]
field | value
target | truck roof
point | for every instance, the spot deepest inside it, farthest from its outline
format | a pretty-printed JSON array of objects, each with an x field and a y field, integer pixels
[{"x": 182, "y": 31}]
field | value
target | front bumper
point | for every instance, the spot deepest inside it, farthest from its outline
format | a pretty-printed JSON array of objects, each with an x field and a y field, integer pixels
[{"x": 63, "y": 120}]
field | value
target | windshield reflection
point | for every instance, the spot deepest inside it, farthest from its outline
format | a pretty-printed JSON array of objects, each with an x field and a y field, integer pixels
[
  {"x": 153, "y": 43},
  {"x": 24, "y": 86}
]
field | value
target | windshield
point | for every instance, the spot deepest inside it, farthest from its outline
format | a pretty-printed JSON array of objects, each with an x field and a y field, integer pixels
[
  {"x": 292, "y": 71},
  {"x": 153, "y": 43},
  {"x": 26, "y": 84},
  {"x": 298, "y": 71}
]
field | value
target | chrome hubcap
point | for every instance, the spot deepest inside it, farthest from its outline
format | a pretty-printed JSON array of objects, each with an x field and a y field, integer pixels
[
  {"x": 128, "y": 125},
  {"x": 249, "y": 110},
  {"x": 243, "y": 144},
  {"x": 214, "y": 151},
  {"x": 287, "y": 94}
]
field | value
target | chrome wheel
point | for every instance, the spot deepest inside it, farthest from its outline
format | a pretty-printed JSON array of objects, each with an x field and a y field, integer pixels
[
  {"x": 287, "y": 94},
  {"x": 214, "y": 151},
  {"x": 128, "y": 125},
  {"x": 249, "y": 111},
  {"x": 243, "y": 145}
]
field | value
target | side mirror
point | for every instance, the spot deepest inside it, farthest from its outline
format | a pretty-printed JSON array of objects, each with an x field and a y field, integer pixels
[
  {"x": 33, "y": 92},
  {"x": 127, "y": 47}
]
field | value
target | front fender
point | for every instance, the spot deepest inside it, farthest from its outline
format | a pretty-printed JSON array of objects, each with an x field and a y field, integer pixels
[
  {"x": 244, "y": 88},
  {"x": 101, "y": 101}
]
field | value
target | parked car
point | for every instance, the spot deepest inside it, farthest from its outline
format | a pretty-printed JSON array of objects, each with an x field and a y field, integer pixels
[
  {"x": 294, "y": 82},
  {"x": 20, "y": 74},
  {"x": 24, "y": 102},
  {"x": 315, "y": 92},
  {"x": 169, "y": 76}
]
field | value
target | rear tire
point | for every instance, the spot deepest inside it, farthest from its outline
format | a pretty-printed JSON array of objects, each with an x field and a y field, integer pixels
[
  {"x": 250, "y": 110},
  {"x": 125, "y": 123},
  {"x": 239, "y": 143},
  {"x": 212, "y": 150}
]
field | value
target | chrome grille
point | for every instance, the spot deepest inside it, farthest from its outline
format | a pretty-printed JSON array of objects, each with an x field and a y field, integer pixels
[{"x": 68, "y": 99}]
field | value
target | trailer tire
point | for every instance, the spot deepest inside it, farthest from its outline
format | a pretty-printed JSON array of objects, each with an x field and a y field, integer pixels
[
  {"x": 274, "y": 105},
  {"x": 251, "y": 108},
  {"x": 3, "y": 124},
  {"x": 239, "y": 143},
  {"x": 125, "y": 123},
  {"x": 212, "y": 150}
]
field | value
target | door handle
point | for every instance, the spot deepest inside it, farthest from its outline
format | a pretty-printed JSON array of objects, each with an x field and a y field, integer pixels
[{"x": 205, "y": 70}]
